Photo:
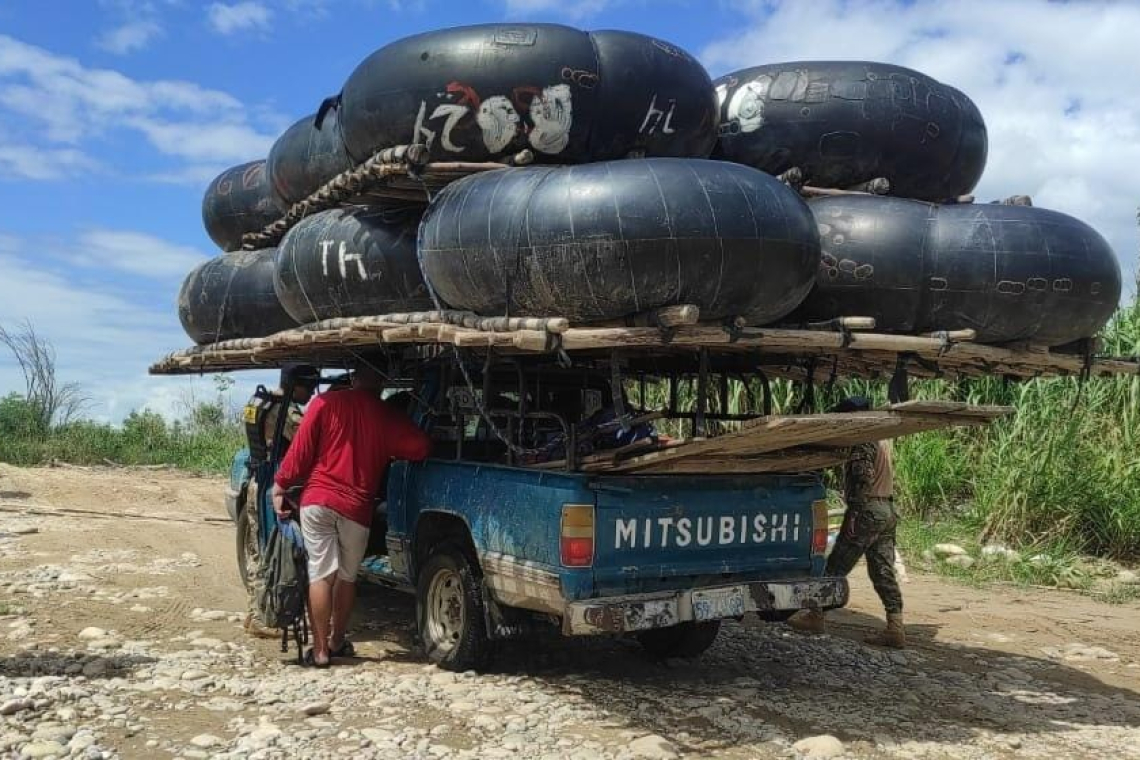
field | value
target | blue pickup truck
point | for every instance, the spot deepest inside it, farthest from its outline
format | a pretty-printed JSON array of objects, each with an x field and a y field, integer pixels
[{"x": 492, "y": 546}]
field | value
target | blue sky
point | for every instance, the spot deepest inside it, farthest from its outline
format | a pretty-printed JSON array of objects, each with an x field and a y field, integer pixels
[{"x": 114, "y": 114}]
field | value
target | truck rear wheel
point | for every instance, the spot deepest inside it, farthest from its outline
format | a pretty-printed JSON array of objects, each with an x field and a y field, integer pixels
[
  {"x": 688, "y": 639},
  {"x": 247, "y": 549},
  {"x": 449, "y": 611}
]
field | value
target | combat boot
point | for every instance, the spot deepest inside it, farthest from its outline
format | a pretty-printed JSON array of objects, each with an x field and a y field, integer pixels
[
  {"x": 808, "y": 621},
  {"x": 253, "y": 627},
  {"x": 894, "y": 635}
]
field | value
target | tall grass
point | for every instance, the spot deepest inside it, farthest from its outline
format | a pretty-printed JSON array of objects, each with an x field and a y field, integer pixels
[
  {"x": 205, "y": 441},
  {"x": 1064, "y": 471}
]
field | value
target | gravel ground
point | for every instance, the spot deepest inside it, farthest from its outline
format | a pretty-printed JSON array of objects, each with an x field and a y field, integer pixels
[{"x": 122, "y": 638}]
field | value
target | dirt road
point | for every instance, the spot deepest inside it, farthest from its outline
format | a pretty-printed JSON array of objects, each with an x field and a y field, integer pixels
[{"x": 123, "y": 639}]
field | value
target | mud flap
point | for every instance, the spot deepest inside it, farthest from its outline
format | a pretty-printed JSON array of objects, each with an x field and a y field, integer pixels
[{"x": 504, "y": 622}]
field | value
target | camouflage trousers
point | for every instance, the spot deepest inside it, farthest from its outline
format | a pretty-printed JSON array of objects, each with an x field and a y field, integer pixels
[
  {"x": 869, "y": 530},
  {"x": 252, "y": 550}
]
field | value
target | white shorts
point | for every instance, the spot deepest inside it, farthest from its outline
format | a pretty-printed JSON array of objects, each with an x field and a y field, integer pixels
[{"x": 335, "y": 544}]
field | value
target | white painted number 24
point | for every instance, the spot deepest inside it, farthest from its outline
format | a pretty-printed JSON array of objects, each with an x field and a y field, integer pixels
[{"x": 551, "y": 113}]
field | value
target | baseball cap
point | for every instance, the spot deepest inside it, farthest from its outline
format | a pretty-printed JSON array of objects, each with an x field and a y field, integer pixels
[
  {"x": 853, "y": 404},
  {"x": 300, "y": 374}
]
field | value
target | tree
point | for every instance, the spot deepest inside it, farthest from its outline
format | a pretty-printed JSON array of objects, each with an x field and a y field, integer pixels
[{"x": 51, "y": 402}]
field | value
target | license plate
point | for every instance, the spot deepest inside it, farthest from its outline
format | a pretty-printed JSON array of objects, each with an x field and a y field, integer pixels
[{"x": 718, "y": 603}]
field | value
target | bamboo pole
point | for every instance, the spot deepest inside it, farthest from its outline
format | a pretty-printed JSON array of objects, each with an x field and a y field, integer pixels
[
  {"x": 666, "y": 316},
  {"x": 844, "y": 323}
]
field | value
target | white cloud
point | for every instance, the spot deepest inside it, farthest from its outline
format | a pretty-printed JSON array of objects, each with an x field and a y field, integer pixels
[
  {"x": 322, "y": 8},
  {"x": 135, "y": 253},
  {"x": 70, "y": 100},
  {"x": 62, "y": 106},
  {"x": 246, "y": 16},
  {"x": 1025, "y": 63},
  {"x": 574, "y": 9},
  {"x": 198, "y": 175},
  {"x": 22, "y": 161},
  {"x": 129, "y": 37},
  {"x": 194, "y": 141}
]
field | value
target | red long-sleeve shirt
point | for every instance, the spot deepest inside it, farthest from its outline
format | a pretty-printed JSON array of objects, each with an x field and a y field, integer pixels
[{"x": 342, "y": 450}]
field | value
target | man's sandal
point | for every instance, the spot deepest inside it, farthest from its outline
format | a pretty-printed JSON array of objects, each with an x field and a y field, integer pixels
[
  {"x": 346, "y": 649},
  {"x": 310, "y": 660}
]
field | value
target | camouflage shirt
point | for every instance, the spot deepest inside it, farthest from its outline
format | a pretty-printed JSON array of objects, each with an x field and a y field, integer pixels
[{"x": 869, "y": 473}]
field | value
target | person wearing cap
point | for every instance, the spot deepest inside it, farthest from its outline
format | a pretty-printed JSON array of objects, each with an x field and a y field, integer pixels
[
  {"x": 341, "y": 453},
  {"x": 868, "y": 531},
  {"x": 264, "y": 408},
  {"x": 298, "y": 382}
]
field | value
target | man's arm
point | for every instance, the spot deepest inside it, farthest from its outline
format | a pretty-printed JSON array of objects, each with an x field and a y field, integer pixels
[
  {"x": 860, "y": 473},
  {"x": 405, "y": 440}
]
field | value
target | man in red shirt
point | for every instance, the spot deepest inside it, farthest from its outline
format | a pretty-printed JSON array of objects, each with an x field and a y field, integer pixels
[{"x": 341, "y": 452}]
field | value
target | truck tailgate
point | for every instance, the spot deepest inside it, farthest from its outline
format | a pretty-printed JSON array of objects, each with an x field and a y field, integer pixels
[{"x": 662, "y": 532}]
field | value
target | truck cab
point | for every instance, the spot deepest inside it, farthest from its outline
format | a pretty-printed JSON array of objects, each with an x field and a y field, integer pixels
[{"x": 515, "y": 522}]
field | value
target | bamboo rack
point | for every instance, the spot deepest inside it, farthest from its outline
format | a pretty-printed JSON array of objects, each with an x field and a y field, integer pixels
[{"x": 672, "y": 332}]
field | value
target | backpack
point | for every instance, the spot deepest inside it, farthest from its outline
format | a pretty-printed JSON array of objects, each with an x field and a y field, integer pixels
[{"x": 284, "y": 585}]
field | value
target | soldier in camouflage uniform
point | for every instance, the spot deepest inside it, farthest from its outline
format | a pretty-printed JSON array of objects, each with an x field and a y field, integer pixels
[
  {"x": 261, "y": 416},
  {"x": 868, "y": 531}
]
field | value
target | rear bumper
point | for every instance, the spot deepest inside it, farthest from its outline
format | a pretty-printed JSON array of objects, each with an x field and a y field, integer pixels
[{"x": 641, "y": 612}]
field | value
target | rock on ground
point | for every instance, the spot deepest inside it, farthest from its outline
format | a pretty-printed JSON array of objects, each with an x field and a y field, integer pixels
[
  {"x": 180, "y": 678},
  {"x": 1000, "y": 552},
  {"x": 822, "y": 746},
  {"x": 653, "y": 747}
]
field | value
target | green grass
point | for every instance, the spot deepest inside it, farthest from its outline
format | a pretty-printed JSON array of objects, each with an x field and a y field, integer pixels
[
  {"x": 1048, "y": 565},
  {"x": 1117, "y": 594},
  {"x": 204, "y": 442}
]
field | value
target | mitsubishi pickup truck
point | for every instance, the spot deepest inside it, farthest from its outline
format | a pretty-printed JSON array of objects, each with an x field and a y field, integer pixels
[{"x": 491, "y": 544}]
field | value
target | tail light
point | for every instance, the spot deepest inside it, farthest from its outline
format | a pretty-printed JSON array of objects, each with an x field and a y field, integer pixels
[
  {"x": 819, "y": 527},
  {"x": 577, "y": 538}
]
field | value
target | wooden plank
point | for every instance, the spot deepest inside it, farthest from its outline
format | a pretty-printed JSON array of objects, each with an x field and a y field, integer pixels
[
  {"x": 407, "y": 334},
  {"x": 908, "y": 425},
  {"x": 770, "y": 434},
  {"x": 794, "y": 460},
  {"x": 952, "y": 335},
  {"x": 602, "y": 460},
  {"x": 961, "y": 408},
  {"x": 531, "y": 340},
  {"x": 844, "y": 323},
  {"x": 476, "y": 338},
  {"x": 667, "y": 316},
  {"x": 767, "y": 434}
]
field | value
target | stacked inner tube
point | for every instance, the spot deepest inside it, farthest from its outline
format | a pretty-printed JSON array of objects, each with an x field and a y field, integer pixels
[
  {"x": 909, "y": 255},
  {"x": 650, "y": 185},
  {"x": 1008, "y": 272},
  {"x": 605, "y": 240}
]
